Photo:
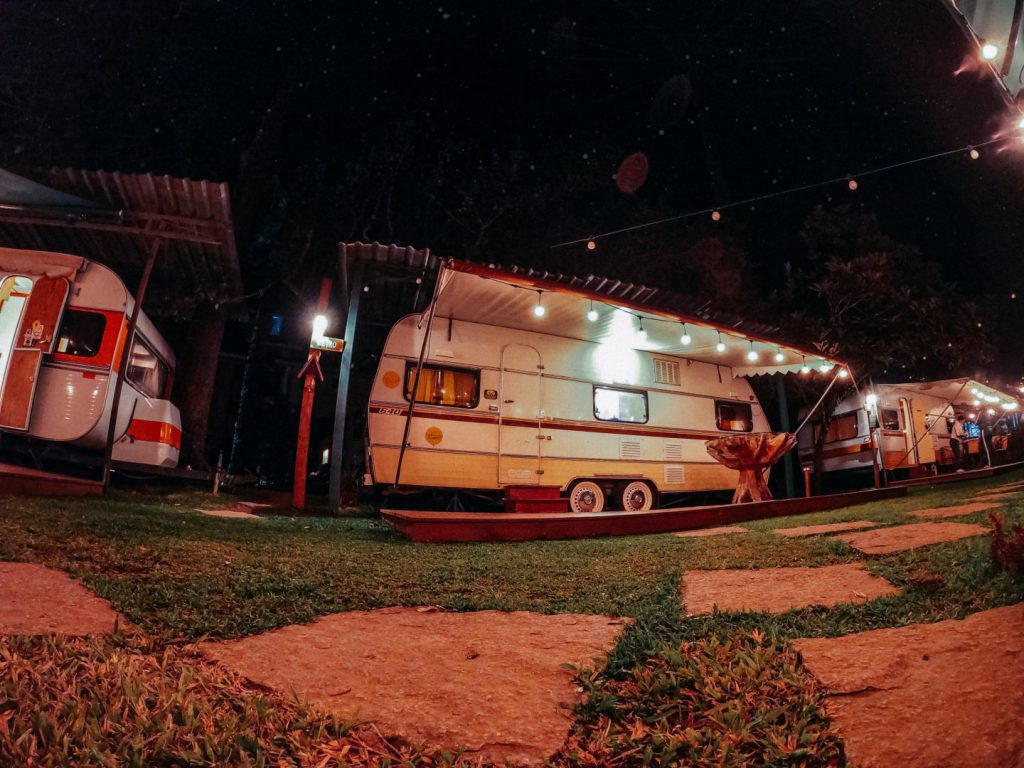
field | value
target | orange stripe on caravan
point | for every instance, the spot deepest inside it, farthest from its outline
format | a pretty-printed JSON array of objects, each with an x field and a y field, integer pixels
[
  {"x": 632, "y": 431},
  {"x": 155, "y": 432}
]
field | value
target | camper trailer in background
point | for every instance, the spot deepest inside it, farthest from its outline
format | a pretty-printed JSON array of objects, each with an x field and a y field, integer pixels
[
  {"x": 62, "y": 336},
  {"x": 508, "y": 381},
  {"x": 905, "y": 427}
]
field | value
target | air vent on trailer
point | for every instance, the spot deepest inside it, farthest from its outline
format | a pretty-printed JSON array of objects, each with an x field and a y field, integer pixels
[
  {"x": 629, "y": 449},
  {"x": 673, "y": 452},
  {"x": 673, "y": 474},
  {"x": 666, "y": 372}
]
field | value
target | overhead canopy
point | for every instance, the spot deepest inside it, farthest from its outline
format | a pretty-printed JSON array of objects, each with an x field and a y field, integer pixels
[
  {"x": 964, "y": 393},
  {"x": 504, "y": 298},
  {"x": 113, "y": 218}
]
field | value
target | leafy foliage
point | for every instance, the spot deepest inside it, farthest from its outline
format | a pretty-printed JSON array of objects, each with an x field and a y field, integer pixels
[{"x": 1007, "y": 549}]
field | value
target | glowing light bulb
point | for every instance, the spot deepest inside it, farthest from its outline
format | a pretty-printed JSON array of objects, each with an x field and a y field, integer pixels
[
  {"x": 319, "y": 326},
  {"x": 976, "y": 403},
  {"x": 685, "y": 339},
  {"x": 852, "y": 184},
  {"x": 843, "y": 373},
  {"x": 991, "y": 412},
  {"x": 989, "y": 51},
  {"x": 592, "y": 313},
  {"x": 720, "y": 346},
  {"x": 539, "y": 310},
  {"x": 975, "y": 154},
  {"x": 752, "y": 354},
  {"x": 805, "y": 368},
  {"x": 716, "y": 215},
  {"x": 641, "y": 333},
  {"x": 779, "y": 357},
  {"x": 591, "y": 245},
  {"x": 974, "y": 390},
  {"x": 871, "y": 399}
]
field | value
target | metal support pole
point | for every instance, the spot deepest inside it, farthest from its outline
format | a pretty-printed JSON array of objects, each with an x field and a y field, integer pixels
[
  {"x": 355, "y": 291},
  {"x": 306, "y": 413},
  {"x": 126, "y": 353},
  {"x": 787, "y": 460}
]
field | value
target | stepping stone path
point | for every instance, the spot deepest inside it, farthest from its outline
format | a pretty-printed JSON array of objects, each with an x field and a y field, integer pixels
[
  {"x": 814, "y": 530},
  {"x": 231, "y": 513},
  {"x": 779, "y": 589},
  {"x": 1016, "y": 486},
  {"x": 700, "y": 532},
  {"x": 944, "y": 694},
  {"x": 898, "y": 538},
  {"x": 955, "y": 511},
  {"x": 996, "y": 496},
  {"x": 36, "y": 600},
  {"x": 488, "y": 680}
]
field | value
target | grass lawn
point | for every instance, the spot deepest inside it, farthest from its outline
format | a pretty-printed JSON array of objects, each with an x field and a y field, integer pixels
[{"x": 179, "y": 575}]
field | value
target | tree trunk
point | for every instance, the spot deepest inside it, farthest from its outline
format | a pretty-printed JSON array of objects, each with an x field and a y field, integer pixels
[{"x": 195, "y": 381}]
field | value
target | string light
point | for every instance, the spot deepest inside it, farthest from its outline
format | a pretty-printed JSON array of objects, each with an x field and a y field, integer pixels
[
  {"x": 591, "y": 245},
  {"x": 989, "y": 51},
  {"x": 843, "y": 373},
  {"x": 871, "y": 399},
  {"x": 852, "y": 184},
  {"x": 824, "y": 367},
  {"x": 720, "y": 346},
  {"x": 641, "y": 333},
  {"x": 592, "y": 313},
  {"x": 752, "y": 354},
  {"x": 781, "y": 192},
  {"x": 779, "y": 357},
  {"x": 685, "y": 339},
  {"x": 539, "y": 310},
  {"x": 716, "y": 215},
  {"x": 804, "y": 368},
  {"x": 975, "y": 154}
]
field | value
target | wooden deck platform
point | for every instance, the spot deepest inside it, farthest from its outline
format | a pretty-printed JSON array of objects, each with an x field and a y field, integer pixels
[
  {"x": 24, "y": 481},
  {"x": 429, "y": 526},
  {"x": 957, "y": 477}
]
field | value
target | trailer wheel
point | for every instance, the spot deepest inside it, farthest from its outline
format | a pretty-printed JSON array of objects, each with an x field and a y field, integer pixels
[
  {"x": 636, "y": 496},
  {"x": 586, "y": 496}
]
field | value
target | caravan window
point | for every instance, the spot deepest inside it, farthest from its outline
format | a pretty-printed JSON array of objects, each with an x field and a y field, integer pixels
[
  {"x": 734, "y": 417},
  {"x": 145, "y": 370},
  {"x": 843, "y": 426},
  {"x": 620, "y": 405},
  {"x": 81, "y": 333},
  {"x": 458, "y": 387},
  {"x": 890, "y": 418}
]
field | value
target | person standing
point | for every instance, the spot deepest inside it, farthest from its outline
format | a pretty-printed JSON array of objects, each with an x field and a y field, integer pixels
[{"x": 957, "y": 436}]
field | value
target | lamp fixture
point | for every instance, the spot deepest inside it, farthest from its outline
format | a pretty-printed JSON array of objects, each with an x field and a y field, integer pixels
[
  {"x": 592, "y": 313},
  {"x": 685, "y": 339},
  {"x": 720, "y": 346},
  {"x": 539, "y": 310}
]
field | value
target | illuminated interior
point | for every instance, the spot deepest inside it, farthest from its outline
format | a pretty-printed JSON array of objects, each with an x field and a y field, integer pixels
[{"x": 14, "y": 291}]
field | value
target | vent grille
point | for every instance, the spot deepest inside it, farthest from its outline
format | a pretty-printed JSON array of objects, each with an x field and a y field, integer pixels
[
  {"x": 673, "y": 452},
  {"x": 674, "y": 474},
  {"x": 629, "y": 449},
  {"x": 666, "y": 372}
]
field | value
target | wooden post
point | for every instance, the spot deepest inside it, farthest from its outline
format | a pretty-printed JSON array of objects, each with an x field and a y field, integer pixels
[
  {"x": 355, "y": 291},
  {"x": 807, "y": 482},
  {"x": 874, "y": 458},
  {"x": 306, "y": 413},
  {"x": 787, "y": 460},
  {"x": 126, "y": 354}
]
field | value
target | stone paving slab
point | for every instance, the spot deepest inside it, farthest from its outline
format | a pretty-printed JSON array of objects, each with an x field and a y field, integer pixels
[
  {"x": 814, "y": 530},
  {"x": 996, "y": 496},
  {"x": 488, "y": 680},
  {"x": 898, "y": 538},
  {"x": 720, "y": 531},
  {"x": 777, "y": 590},
  {"x": 229, "y": 513},
  {"x": 958, "y": 510},
  {"x": 1015, "y": 486},
  {"x": 927, "y": 695},
  {"x": 36, "y": 600}
]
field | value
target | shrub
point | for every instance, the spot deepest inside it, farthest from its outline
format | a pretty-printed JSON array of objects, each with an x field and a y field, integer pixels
[{"x": 1007, "y": 549}]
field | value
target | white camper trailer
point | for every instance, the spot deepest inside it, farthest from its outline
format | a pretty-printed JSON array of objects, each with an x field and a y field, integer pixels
[
  {"x": 910, "y": 422},
  {"x": 507, "y": 380},
  {"x": 62, "y": 336}
]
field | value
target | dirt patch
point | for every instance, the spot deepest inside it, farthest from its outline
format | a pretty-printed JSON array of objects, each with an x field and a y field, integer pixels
[
  {"x": 950, "y": 693},
  {"x": 1016, "y": 486},
  {"x": 955, "y": 511},
  {"x": 992, "y": 496},
  {"x": 813, "y": 530},
  {"x": 36, "y": 600},
  {"x": 231, "y": 513},
  {"x": 721, "y": 531},
  {"x": 488, "y": 680},
  {"x": 899, "y": 538},
  {"x": 778, "y": 589}
]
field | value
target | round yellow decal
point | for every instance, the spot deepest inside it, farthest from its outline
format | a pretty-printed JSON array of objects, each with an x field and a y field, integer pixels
[
  {"x": 434, "y": 435},
  {"x": 391, "y": 379}
]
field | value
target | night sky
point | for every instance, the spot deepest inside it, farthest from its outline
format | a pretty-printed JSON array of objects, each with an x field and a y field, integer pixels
[{"x": 492, "y": 131}]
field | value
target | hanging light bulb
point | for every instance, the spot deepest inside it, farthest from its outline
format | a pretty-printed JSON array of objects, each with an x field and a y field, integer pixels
[
  {"x": 824, "y": 367},
  {"x": 591, "y": 244},
  {"x": 592, "y": 313},
  {"x": 720, "y": 346},
  {"x": 975, "y": 154},
  {"x": 852, "y": 184},
  {"x": 641, "y": 333},
  {"x": 870, "y": 399},
  {"x": 989, "y": 51},
  {"x": 804, "y": 368},
  {"x": 843, "y": 373},
  {"x": 779, "y": 357},
  {"x": 716, "y": 215},
  {"x": 539, "y": 310},
  {"x": 752, "y": 354},
  {"x": 685, "y": 339}
]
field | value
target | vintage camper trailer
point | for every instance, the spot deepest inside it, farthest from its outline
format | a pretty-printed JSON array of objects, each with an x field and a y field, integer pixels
[
  {"x": 508, "y": 380},
  {"x": 911, "y": 424},
  {"x": 62, "y": 336}
]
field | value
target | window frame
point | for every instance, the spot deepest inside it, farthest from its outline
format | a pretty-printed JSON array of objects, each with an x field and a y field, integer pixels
[
  {"x": 628, "y": 391},
  {"x": 856, "y": 422},
  {"x": 407, "y": 388},
  {"x": 733, "y": 403},
  {"x": 168, "y": 372},
  {"x": 102, "y": 338}
]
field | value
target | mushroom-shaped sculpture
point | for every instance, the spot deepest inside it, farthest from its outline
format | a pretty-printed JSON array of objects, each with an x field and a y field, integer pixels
[{"x": 751, "y": 455}]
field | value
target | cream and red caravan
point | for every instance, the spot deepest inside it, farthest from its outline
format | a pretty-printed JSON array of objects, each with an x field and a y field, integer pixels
[
  {"x": 62, "y": 336},
  {"x": 511, "y": 380}
]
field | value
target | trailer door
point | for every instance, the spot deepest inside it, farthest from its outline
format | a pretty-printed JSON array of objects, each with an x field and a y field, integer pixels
[
  {"x": 519, "y": 419},
  {"x": 36, "y": 337}
]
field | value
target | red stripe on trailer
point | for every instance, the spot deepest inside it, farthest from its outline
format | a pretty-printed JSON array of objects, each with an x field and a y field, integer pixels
[{"x": 155, "y": 432}]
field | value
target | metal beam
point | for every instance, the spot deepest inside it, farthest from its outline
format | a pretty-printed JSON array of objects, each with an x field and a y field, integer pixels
[{"x": 354, "y": 282}]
